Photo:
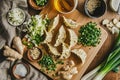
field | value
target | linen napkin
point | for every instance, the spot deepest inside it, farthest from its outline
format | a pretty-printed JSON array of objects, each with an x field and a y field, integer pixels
[{"x": 7, "y": 33}]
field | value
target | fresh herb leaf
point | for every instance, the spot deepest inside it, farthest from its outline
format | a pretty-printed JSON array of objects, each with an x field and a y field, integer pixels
[{"x": 41, "y": 2}]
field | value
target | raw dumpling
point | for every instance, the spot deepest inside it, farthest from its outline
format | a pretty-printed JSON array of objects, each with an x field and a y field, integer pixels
[
  {"x": 53, "y": 50},
  {"x": 61, "y": 36},
  {"x": 53, "y": 23},
  {"x": 70, "y": 23},
  {"x": 48, "y": 38},
  {"x": 65, "y": 51},
  {"x": 73, "y": 38},
  {"x": 81, "y": 54}
]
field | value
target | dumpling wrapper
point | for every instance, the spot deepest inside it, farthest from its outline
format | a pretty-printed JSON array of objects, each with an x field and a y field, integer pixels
[
  {"x": 81, "y": 54},
  {"x": 53, "y": 50},
  {"x": 73, "y": 38},
  {"x": 70, "y": 23},
  {"x": 61, "y": 36},
  {"x": 53, "y": 23},
  {"x": 48, "y": 38},
  {"x": 65, "y": 52}
]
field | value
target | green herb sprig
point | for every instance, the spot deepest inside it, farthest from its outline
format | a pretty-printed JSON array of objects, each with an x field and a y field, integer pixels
[{"x": 41, "y": 2}]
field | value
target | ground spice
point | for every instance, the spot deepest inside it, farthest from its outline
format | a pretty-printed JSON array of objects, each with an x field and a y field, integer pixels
[{"x": 92, "y": 5}]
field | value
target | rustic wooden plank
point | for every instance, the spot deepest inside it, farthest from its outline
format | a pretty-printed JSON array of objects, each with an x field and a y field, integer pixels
[
  {"x": 103, "y": 52},
  {"x": 82, "y": 19}
]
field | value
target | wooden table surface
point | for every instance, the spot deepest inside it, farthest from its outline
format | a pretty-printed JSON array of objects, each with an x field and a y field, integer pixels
[{"x": 104, "y": 51}]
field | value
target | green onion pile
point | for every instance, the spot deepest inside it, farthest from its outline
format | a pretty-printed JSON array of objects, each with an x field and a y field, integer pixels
[
  {"x": 35, "y": 29},
  {"x": 89, "y": 35},
  {"x": 48, "y": 63},
  {"x": 41, "y": 2},
  {"x": 109, "y": 64}
]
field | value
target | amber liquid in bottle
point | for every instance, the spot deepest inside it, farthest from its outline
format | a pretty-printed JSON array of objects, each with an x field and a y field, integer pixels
[{"x": 64, "y": 5}]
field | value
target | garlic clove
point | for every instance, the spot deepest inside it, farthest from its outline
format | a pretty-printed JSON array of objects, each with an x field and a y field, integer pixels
[
  {"x": 105, "y": 22},
  {"x": 115, "y": 21}
]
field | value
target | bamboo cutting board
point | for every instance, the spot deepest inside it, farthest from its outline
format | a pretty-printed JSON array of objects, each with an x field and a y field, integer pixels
[{"x": 91, "y": 51}]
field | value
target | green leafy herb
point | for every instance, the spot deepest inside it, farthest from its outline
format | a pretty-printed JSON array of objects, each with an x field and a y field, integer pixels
[
  {"x": 48, "y": 63},
  {"x": 89, "y": 35},
  {"x": 41, "y": 2},
  {"x": 35, "y": 29},
  {"x": 28, "y": 44}
]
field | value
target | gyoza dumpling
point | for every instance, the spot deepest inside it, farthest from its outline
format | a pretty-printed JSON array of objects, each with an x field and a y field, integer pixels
[
  {"x": 53, "y": 50},
  {"x": 61, "y": 36},
  {"x": 48, "y": 38},
  {"x": 81, "y": 54},
  {"x": 65, "y": 51},
  {"x": 70, "y": 23},
  {"x": 73, "y": 38},
  {"x": 53, "y": 23}
]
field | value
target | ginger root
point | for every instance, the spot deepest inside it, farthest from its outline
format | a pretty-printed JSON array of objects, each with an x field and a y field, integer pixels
[
  {"x": 8, "y": 52},
  {"x": 11, "y": 59},
  {"x": 17, "y": 44}
]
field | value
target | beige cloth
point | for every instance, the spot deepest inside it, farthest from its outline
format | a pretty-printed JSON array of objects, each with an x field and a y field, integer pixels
[
  {"x": 7, "y": 32},
  {"x": 5, "y": 73}
]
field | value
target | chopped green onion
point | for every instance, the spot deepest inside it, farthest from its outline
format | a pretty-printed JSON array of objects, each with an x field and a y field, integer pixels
[
  {"x": 110, "y": 63},
  {"x": 41, "y": 2},
  {"x": 89, "y": 35},
  {"x": 48, "y": 63}
]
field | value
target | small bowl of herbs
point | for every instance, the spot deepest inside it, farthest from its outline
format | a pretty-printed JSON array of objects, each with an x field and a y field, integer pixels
[{"x": 38, "y": 4}]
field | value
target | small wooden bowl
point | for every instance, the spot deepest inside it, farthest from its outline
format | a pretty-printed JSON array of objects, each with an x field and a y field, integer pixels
[
  {"x": 17, "y": 76},
  {"x": 33, "y": 60},
  {"x": 35, "y": 6}
]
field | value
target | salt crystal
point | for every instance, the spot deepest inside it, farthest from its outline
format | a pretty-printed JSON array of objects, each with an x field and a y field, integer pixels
[{"x": 20, "y": 70}]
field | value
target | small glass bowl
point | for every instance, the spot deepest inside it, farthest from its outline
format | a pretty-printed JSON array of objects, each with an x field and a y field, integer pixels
[{"x": 75, "y": 5}]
